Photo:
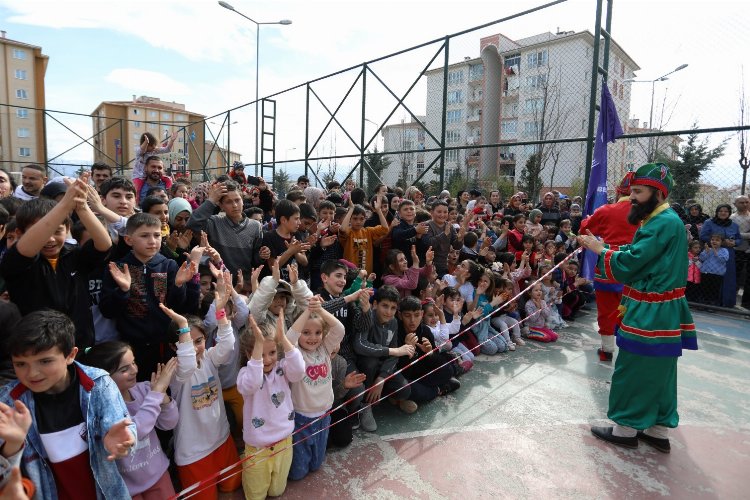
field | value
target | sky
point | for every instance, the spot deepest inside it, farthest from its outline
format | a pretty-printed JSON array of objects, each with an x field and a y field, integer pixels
[{"x": 202, "y": 55}]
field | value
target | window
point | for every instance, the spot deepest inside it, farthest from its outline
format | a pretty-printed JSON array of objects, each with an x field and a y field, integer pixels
[
  {"x": 454, "y": 116},
  {"x": 534, "y": 105},
  {"x": 136, "y": 136},
  {"x": 455, "y": 77},
  {"x": 153, "y": 114},
  {"x": 536, "y": 81},
  {"x": 513, "y": 60},
  {"x": 451, "y": 155},
  {"x": 536, "y": 59},
  {"x": 22, "y": 113},
  {"x": 631, "y": 155},
  {"x": 181, "y": 118},
  {"x": 26, "y": 152},
  {"x": 166, "y": 116},
  {"x": 622, "y": 70},
  {"x": 614, "y": 88},
  {"x": 137, "y": 124},
  {"x": 19, "y": 54},
  {"x": 531, "y": 128},
  {"x": 509, "y": 127},
  {"x": 621, "y": 93},
  {"x": 452, "y": 136},
  {"x": 510, "y": 110},
  {"x": 506, "y": 153},
  {"x": 455, "y": 96},
  {"x": 529, "y": 149},
  {"x": 420, "y": 166},
  {"x": 21, "y": 94},
  {"x": 20, "y": 74},
  {"x": 23, "y": 132},
  {"x": 152, "y": 126},
  {"x": 476, "y": 72}
]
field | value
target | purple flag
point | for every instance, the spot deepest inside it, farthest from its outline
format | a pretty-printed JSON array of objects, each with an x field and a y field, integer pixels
[{"x": 607, "y": 131}]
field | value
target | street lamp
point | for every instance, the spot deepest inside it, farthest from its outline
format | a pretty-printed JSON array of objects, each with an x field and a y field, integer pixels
[
  {"x": 653, "y": 90},
  {"x": 284, "y": 22}
]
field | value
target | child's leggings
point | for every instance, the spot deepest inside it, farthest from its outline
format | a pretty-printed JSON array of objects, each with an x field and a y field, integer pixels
[{"x": 491, "y": 341}]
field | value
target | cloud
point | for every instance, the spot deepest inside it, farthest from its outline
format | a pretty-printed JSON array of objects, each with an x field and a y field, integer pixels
[{"x": 141, "y": 81}]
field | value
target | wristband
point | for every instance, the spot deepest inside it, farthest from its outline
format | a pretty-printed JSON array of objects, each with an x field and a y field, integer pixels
[
  {"x": 184, "y": 329},
  {"x": 221, "y": 314}
]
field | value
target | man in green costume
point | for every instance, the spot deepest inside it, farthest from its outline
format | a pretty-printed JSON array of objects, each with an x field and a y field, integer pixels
[{"x": 656, "y": 322}]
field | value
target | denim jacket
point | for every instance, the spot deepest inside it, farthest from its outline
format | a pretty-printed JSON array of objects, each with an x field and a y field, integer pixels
[{"x": 103, "y": 407}]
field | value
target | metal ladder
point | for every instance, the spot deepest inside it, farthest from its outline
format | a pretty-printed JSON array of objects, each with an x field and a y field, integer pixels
[{"x": 268, "y": 140}]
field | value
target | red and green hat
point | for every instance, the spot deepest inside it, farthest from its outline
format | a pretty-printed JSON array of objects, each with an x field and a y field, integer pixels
[
  {"x": 624, "y": 188},
  {"x": 656, "y": 175}
]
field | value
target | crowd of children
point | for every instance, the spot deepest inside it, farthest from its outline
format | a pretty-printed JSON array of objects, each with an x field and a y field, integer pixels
[{"x": 216, "y": 313}]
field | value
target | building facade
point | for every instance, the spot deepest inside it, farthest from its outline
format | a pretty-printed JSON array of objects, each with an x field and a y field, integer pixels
[
  {"x": 119, "y": 125},
  {"x": 532, "y": 89},
  {"x": 218, "y": 156},
  {"x": 404, "y": 168},
  {"x": 22, "y": 134}
]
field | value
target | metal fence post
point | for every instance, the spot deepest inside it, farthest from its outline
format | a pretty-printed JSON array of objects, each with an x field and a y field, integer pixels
[
  {"x": 444, "y": 117},
  {"x": 362, "y": 127}
]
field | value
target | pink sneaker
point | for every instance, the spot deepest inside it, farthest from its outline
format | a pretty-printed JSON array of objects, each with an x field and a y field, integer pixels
[{"x": 467, "y": 365}]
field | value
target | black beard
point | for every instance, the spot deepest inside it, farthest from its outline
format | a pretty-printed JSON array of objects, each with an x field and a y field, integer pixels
[{"x": 639, "y": 211}]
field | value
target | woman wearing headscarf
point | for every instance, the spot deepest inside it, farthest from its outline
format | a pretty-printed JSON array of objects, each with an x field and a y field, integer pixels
[
  {"x": 696, "y": 218},
  {"x": 730, "y": 233}
]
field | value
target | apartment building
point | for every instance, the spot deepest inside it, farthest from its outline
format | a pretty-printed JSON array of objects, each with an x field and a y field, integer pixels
[
  {"x": 531, "y": 89},
  {"x": 22, "y": 135},
  {"x": 119, "y": 125},
  {"x": 218, "y": 156},
  {"x": 405, "y": 136}
]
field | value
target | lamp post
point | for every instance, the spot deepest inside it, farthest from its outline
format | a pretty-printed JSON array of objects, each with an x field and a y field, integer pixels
[
  {"x": 284, "y": 22},
  {"x": 663, "y": 77}
]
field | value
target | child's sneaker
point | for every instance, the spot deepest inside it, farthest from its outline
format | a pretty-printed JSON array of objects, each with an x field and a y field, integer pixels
[
  {"x": 367, "y": 421},
  {"x": 519, "y": 341},
  {"x": 407, "y": 406},
  {"x": 511, "y": 346}
]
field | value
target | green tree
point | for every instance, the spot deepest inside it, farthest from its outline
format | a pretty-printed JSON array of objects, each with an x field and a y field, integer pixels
[
  {"x": 377, "y": 162},
  {"x": 455, "y": 182},
  {"x": 693, "y": 158},
  {"x": 577, "y": 187},
  {"x": 530, "y": 180},
  {"x": 280, "y": 181}
]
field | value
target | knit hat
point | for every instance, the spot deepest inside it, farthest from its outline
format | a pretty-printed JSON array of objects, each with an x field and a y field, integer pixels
[
  {"x": 624, "y": 188},
  {"x": 656, "y": 175},
  {"x": 534, "y": 213},
  {"x": 177, "y": 205}
]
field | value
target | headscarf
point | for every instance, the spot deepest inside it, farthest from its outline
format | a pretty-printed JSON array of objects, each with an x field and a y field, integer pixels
[
  {"x": 722, "y": 222},
  {"x": 313, "y": 195},
  {"x": 176, "y": 206}
]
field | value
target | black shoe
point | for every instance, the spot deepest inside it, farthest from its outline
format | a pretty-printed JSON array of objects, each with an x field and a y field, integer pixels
[
  {"x": 604, "y": 355},
  {"x": 452, "y": 385},
  {"x": 659, "y": 444},
  {"x": 605, "y": 434}
]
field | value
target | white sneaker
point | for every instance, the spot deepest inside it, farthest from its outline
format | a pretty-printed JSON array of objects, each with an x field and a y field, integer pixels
[
  {"x": 367, "y": 421},
  {"x": 511, "y": 346},
  {"x": 519, "y": 341}
]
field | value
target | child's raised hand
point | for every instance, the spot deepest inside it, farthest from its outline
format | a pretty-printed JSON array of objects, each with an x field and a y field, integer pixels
[
  {"x": 184, "y": 238},
  {"x": 223, "y": 289},
  {"x": 429, "y": 256},
  {"x": 259, "y": 339},
  {"x": 196, "y": 253},
  {"x": 14, "y": 425},
  {"x": 275, "y": 272},
  {"x": 314, "y": 303},
  {"x": 185, "y": 273},
  {"x": 180, "y": 320},
  {"x": 372, "y": 277},
  {"x": 121, "y": 277},
  {"x": 327, "y": 241},
  {"x": 293, "y": 273},
  {"x": 254, "y": 277},
  {"x": 354, "y": 379},
  {"x": 280, "y": 327},
  {"x": 440, "y": 301},
  {"x": 414, "y": 256},
  {"x": 119, "y": 440},
  {"x": 161, "y": 378}
]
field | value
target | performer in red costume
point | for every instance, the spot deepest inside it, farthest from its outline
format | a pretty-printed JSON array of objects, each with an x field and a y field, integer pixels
[{"x": 610, "y": 223}]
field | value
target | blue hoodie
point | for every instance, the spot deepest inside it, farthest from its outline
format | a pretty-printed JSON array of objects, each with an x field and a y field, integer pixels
[{"x": 139, "y": 319}]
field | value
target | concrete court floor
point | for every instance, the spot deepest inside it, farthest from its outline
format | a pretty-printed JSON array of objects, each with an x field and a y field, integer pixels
[{"x": 519, "y": 428}]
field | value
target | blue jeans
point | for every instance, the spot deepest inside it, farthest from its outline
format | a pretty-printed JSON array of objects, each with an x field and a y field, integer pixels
[
  {"x": 495, "y": 342},
  {"x": 310, "y": 453}
]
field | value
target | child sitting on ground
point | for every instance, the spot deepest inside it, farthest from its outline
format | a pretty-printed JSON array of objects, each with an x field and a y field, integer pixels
[
  {"x": 537, "y": 312},
  {"x": 400, "y": 275},
  {"x": 552, "y": 297}
]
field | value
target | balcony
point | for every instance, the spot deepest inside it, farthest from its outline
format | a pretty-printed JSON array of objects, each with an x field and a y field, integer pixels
[
  {"x": 476, "y": 96},
  {"x": 474, "y": 118},
  {"x": 505, "y": 158}
]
